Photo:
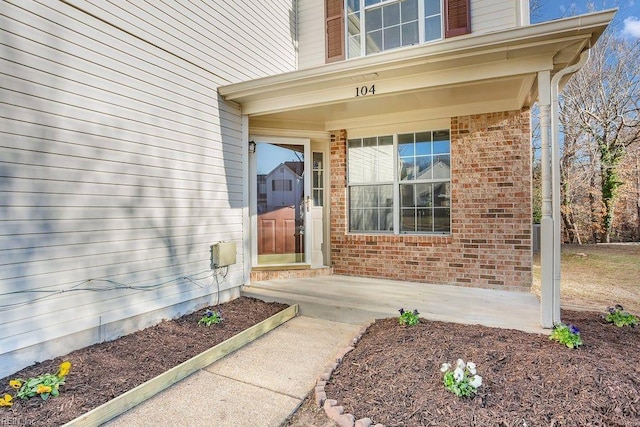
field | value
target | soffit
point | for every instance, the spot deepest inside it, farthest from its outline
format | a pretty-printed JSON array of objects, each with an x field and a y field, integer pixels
[{"x": 468, "y": 74}]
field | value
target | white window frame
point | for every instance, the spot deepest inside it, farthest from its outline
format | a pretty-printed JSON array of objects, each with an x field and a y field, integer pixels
[
  {"x": 397, "y": 182},
  {"x": 362, "y": 11}
]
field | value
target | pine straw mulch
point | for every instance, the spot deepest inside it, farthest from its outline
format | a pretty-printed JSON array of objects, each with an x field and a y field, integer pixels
[
  {"x": 393, "y": 376},
  {"x": 104, "y": 371}
]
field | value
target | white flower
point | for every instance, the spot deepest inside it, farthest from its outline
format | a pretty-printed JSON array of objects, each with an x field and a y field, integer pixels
[
  {"x": 458, "y": 374},
  {"x": 445, "y": 367},
  {"x": 476, "y": 381},
  {"x": 471, "y": 367},
  {"x": 460, "y": 364}
]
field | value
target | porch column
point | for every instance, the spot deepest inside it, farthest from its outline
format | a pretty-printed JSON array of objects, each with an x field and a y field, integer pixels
[{"x": 547, "y": 297}]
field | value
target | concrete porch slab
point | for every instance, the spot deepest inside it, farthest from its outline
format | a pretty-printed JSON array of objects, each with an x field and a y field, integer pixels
[{"x": 359, "y": 300}]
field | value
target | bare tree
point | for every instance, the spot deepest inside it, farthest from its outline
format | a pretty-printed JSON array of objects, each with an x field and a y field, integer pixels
[
  {"x": 600, "y": 117},
  {"x": 535, "y": 8}
]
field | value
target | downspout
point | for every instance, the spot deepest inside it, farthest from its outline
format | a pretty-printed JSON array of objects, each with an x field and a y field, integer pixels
[{"x": 555, "y": 177}]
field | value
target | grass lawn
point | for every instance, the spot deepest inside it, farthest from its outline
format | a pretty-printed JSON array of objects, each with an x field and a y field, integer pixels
[{"x": 595, "y": 277}]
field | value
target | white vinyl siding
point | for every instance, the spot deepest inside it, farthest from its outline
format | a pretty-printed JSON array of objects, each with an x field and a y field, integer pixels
[
  {"x": 493, "y": 15},
  {"x": 118, "y": 160},
  {"x": 311, "y": 33}
]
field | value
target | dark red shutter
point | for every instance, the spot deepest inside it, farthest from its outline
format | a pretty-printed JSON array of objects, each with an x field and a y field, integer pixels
[
  {"x": 334, "y": 15},
  {"x": 457, "y": 17}
]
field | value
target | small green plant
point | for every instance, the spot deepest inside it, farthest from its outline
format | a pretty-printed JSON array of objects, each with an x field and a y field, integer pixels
[
  {"x": 619, "y": 317},
  {"x": 568, "y": 335},
  {"x": 211, "y": 317},
  {"x": 408, "y": 318},
  {"x": 463, "y": 381},
  {"x": 45, "y": 386}
]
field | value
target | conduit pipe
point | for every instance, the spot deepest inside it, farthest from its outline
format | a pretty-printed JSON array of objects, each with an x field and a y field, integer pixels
[{"x": 555, "y": 178}]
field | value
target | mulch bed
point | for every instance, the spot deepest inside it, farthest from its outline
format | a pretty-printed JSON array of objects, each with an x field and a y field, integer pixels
[
  {"x": 393, "y": 376},
  {"x": 104, "y": 371}
]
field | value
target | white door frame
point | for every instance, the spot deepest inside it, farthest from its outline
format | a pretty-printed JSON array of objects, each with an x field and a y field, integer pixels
[{"x": 253, "y": 200}]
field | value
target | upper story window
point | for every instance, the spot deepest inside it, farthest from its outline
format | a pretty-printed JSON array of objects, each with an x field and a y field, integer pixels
[
  {"x": 377, "y": 25},
  {"x": 357, "y": 28}
]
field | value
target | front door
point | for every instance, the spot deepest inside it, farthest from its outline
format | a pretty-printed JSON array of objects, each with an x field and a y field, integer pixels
[{"x": 282, "y": 211}]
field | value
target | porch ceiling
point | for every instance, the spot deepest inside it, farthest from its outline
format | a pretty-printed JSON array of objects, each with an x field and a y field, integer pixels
[{"x": 464, "y": 75}]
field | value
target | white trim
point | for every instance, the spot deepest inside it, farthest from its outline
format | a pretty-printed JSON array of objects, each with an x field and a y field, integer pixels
[
  {"x": 246, "y": 191},
  {"x": 290, "y": 133}
]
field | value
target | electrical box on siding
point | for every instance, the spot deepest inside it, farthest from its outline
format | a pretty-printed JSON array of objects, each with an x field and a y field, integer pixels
[{"x": 223, "y": 254}]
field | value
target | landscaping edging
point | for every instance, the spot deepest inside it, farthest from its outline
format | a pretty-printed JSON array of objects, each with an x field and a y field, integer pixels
[
  {"x": 148, "y": 389},
  {"x": 330, "y": 406}
]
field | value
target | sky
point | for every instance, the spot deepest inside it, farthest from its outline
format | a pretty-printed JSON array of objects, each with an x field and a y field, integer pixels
[{"x": 626, "y": 22}]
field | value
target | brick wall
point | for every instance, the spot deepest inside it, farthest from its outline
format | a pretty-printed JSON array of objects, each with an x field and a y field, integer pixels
[{"x": 490, "y": 241}]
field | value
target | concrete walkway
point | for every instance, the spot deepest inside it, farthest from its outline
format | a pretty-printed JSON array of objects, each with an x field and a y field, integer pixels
[
  {"x": 259, "y": 385},
  {"x": 360, "y": 300},
  {"x": 264, "y": 382}
]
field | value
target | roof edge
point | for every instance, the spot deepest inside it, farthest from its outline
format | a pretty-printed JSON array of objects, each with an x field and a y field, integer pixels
[{"x": 590, "y": 25}]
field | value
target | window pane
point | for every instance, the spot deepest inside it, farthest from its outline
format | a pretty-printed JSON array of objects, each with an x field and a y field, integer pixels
[
  {"x": 355, "y": 220},
  {"x": 392, "y": 37},
  {"x": 370, "y": 220},
  {"x": 407, "y": 169},
  {"x": 369, "y": 197},
  {"x": 317, "y": 179},
  {"x": 423, "y": 136},
  {"x": 441, "y": 194},
  {"x": 424, "y": 220},
  {"x": 353, "y": 24},
  {"x": 385, "y": 159},
  {"x": 424, "y": 196},
  {"x": 386, "y": 220},
  {"x": 369, "y": 149},
  {"x": 408, "y": 220},
  {"x": 318, "y": 198},
  {"x": 405, "y": 144},
  {"x": 355, "y": 197},
  {"x": 391, "y": 15},
  {"x": 441, "y": 144},
  {"x": 431, "y": 7},
  {"x": 409, "y": 10},
  {"x": 373, "y": 19},
  {"x": 374, "y": 42},
  {"x": 410, "y": 34},
  {"x": 371, "y": 2},
  {"x": 317, "y": 161},
  {"x": 432, "y": 28},
  {"x": 424, "y": 167},
  {"x": 355, "y": 163},
  {"x": 407, "y": 199},
  {"x": 385, "y": 195},
  {"x": 442, "y": 220},
  {"x": 354, "y": 49},
  {"x": 442, "y": 167},
  {"x": 423, "y": 148},
  {"x": 353, "y": 5}
]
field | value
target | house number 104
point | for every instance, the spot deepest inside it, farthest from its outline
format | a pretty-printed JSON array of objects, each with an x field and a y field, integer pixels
[{"x": 366, "y": 90}]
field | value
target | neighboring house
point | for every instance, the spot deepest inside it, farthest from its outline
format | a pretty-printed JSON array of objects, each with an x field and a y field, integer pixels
[
  {"x": 285, "y": 186},
  {"x": 126, "y": 149}
]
